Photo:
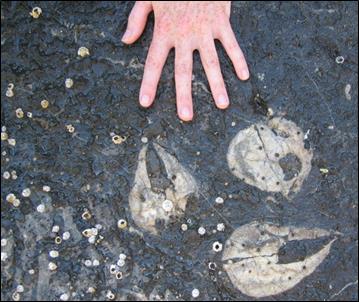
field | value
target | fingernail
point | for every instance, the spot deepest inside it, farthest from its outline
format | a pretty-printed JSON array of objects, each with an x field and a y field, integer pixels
[
  {"x": 244, "y": 74},
  {"x": 126, "y": 35},
  {"x": 145, "y": 100},
  {"x": 222, "y": 101},
  {"x": 186, "y": 114}
]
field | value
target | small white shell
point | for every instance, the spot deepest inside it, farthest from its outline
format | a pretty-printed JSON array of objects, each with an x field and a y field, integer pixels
[
  {"x": 52, "y": 266},
  {"x": 54, "y": 254},
  {"x": 195, "y": 293},
  {"x": 201, "y": 231},
  {"x": 217, "y": 246}
]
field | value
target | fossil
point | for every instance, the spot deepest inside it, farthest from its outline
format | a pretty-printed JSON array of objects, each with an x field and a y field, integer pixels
[
  {"x": 255, "y": 155},
  {"x": 251, "y": 258},
  {"x": 148, "y": 206}
]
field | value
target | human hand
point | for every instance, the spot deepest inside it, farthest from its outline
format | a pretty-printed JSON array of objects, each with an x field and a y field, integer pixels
[{"x": 186, "y": 26}]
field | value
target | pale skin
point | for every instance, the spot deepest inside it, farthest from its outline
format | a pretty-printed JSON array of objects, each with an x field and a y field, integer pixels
[{"x": 186, "y": 26}]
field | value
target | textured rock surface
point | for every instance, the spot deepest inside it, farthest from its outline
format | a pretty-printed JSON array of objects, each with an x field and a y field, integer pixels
[{"x": 291, "y": 50}]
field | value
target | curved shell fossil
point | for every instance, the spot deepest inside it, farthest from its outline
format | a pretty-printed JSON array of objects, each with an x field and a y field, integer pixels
[
  {"x": 254, "y": 155},
  {"x": 252, "y": 264},
  {"x": 146, "y": 205}
]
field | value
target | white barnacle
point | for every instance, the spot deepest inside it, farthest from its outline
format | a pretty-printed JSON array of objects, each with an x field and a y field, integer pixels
[
  {"x": 86, "y": 215},
  {"x": 92, "y": 239},
  {"x": 16, "y": 296},
  {"x": 113, "y": 269},
  {"x": 110, "y": 295},
  {"x": 4, "y": 136},
  {"x": 219, "y": 200},
  {"x": 40, "y": 208},
  {"x": 16, "y": 203},
  {"x": 217, "y": 246},
  {"x": 52, "y": 266},
  {"x": 44, "y": 104},
  {"x": 91, "y": 290},
  {"x": 66, "y": 235},
  {"x": 12, "y": 141},
  {"x": 6, "y": 175},
  {"x": 83, "y": 52},
  {"x": 167, "y": 205},
  {"x": 339, "y": 60},
  {"x": 70, "y": 128},
  {"x": 122, "y": 224},
  {"x": 69, "y": 83},
  {"x": 95, "y": 262},
  {"x": 10, "y": 90},
  {"x": 46, "y": 188},
  {"x": 55, "y": 229},
  {"x": 220, "y": 227},
  {"x": 3, "y": 242},
  {"x": 20, "y": 288},
  {"x": 4, "y": 256},
  {"x": 195, "y": 293},
  {"x": 144, "y": 139},
  {"x": 212, "y": 266},
  {"x": 36, "y": 12},
  {"x": 201, "y": 231},
  {"x": 64, "y": 297},
  {"x": 117, "y": 139},
  {"x": 121, "y": 262},
  {"x": 26, "y": 192},
  {"x": 118, "y": 275},
  {"x": 122, "y": 256},
  {"x": 184, "y": 227},
  {"x": 19, "y": 113},
  {"x": 54, "y": 254},
  {"x": 10, "y": 198},
  {"x": 88, "y": 262},
  {"x": 58, "y": 240}
]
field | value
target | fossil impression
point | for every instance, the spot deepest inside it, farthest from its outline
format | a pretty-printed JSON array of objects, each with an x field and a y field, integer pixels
[
  {"x": 256, "y": 155},
  {"x": 148, "y": 206},
  {"x": 251, "y": 258}
]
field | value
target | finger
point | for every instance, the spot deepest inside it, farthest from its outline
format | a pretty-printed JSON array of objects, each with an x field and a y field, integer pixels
[
  {"x": 229, "y": 41},
  {"x": 183, "y": 79},
  {"x": 136, "y": 21},
  {"x": 212, "y": 68},
  {"x": 156, "y": 58}
]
